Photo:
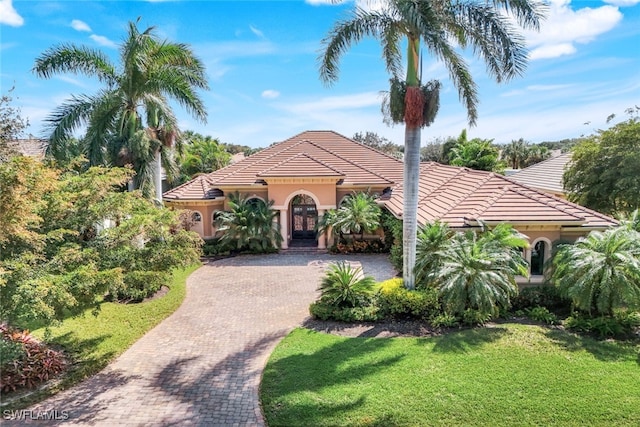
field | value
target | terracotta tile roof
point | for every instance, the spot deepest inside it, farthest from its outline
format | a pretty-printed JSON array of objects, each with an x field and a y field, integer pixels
[
  {"x": 301, "y": 165},
  {"x": 461, "y": 197},
  {"x": 198, "y": 188},
  {"x": 312, "y": 151},
  {"x": 546, "y": 175},
  {"x": 31, "y": 147}
]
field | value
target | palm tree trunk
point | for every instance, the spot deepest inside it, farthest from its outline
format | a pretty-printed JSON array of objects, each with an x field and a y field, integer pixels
[
  {"x": 157, "y": 175},
  {"x": 414, "y": 105},
  {"x": 410, "y": 208}
]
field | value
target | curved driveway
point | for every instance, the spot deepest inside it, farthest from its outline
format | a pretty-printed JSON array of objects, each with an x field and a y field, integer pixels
[{"x": 202, "y": 365}]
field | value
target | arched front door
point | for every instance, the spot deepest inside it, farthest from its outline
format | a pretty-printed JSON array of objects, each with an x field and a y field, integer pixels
[{"x": 304, "y": 216}]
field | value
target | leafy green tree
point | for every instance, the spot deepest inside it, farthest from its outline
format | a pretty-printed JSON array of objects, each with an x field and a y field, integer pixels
[
  {"x": 380, "y": 143},
  {"x": 441, "y": 26},
  {"x": 479, "y": 154},
  {"x": 603, "y": 172},
  {"x": 130, "y": 121},
  {"x": 520, "y": 154},
  {"x": 358, "y": 214},
  {"x": 11, "y": 126},
  {"x": 203, "y": 154},
  {"x": 600, "y": 272},
  {"x": 537, "y": 153},
  {"x": 56, "y": 257},
  {"x": 249, "y": 225}
]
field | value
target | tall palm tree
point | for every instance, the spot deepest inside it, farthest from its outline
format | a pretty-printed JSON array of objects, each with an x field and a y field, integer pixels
[
  {"x": 129, "y": 121},
  {"x": 515, "y": 153},
  {"x": 601, "y": 271},
  {"x": 441, "y": 25}
]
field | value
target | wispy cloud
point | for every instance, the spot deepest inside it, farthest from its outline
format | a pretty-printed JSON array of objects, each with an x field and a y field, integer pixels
[
  {"x": 335, "y": 103},
  {"x": 72, "y": 81},
  {"x": 102, "y": 41},
  {"x": 257, "y": 32},
  {"x": 79, "y": 25},
  {"x": 8, "y": 14},
  {"x": 270, "y": 94},
  {"x": 319, "y": 2},
  {"x": 565, "y": 27}
]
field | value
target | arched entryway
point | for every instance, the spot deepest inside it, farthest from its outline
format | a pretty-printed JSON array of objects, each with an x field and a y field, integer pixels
[{"x": 304, "y": 216}]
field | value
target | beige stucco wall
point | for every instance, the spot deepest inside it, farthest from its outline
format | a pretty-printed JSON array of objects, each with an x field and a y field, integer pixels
[{"x": 324, "y": 194}]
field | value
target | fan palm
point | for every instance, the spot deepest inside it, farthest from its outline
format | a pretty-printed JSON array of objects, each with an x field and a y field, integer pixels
[
  {"x": 480, "y": 25},
  {"x": 600, "y": 271},
  {"x": 129, "y": 121}
]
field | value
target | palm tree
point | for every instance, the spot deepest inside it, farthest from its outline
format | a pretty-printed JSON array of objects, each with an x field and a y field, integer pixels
[
  {"x": 358, "y": 214},
  {"x": 478, "y": 272},
  {"x": 203, "y": 154},
  {"x": 516, "y": 153},
  {"x": 600, "y": 271},
  {"x": 441, "y": 25},
  {"x": 478, "y": 154},
  {"x": 432, "y": 238},
  {"x": 130, "y": 120},
  {"x": 249, "y": 225}
]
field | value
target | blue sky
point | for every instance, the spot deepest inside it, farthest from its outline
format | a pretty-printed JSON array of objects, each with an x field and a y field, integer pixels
[{"x": 261, "y": 59}]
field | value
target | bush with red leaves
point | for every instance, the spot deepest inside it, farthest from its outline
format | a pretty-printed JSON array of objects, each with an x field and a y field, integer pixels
[{"x": 35, "y": 362}]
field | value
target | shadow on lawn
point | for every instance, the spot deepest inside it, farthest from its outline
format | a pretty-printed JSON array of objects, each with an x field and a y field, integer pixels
[
  {"x": 606, "y": 351},
  {"x": 466, "y": 340}
]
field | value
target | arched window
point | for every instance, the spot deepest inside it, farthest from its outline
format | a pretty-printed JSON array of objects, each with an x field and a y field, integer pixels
[
  {"x": 196, "y": 217},
  {"x": 538, "y": 256}
]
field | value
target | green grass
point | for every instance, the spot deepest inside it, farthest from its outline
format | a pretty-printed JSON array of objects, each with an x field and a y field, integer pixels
[
  {"x": 91, "y": 342},
  {"x": 501, "y": 376}
]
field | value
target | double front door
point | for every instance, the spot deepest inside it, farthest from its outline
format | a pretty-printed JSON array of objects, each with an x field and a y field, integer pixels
[{"x": 304, "y": 218}]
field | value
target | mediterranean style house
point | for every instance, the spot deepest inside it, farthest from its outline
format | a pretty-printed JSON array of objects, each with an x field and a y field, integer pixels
[{"x": 312, "y": 172}]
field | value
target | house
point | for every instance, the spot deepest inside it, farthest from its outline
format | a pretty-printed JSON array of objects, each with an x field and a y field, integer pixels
[
  {"x": 546, "y": 175},
  {"x": 314, "y": 171}
]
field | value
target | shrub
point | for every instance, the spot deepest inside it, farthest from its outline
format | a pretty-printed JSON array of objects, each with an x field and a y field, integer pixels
[
  {"x": 324, "y": 311},
  {"x": 542, "y": 314},
  {"x": 32, "y": 364},
  {"x": 444, "y": 320},
  {"x": 139, "y": 285},
  {"x": 213, "y": 247},
  {"x": 473, "y": 317},
  {"x": 621, "y": 324},
  {"x": 397, "y": 301},
  {"x": 358, "y": 246},
  {"x": 392, "y": 228},
  {"x": 539, "y": 296},
  {"x": 344, "y": 285}
]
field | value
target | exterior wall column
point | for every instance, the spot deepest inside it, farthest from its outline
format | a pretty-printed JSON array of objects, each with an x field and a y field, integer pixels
[
  {"x": 330, "y": 237},
  {"x": 284, "y": 228},
  {"x": 321, "y": 236}
]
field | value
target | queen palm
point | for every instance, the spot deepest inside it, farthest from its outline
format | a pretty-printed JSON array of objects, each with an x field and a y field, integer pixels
[
  {"x": 129, "y": 120},
  {"x": 480, "y": 25}
]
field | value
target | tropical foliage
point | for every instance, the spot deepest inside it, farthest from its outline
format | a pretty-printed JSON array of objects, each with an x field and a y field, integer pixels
[
  {"x": 344, "y": 285},
  {"x": 471, "y": 270},
  {"x": 520, "y": 154},
  {"x": 476, "y": 153},
  {"x": 56, "y": 256},
  {"x": 603, "y": 172},
  {"x": 601, "y": 272},
  {"x": 358, "y": 214},
  {"x": 130, "y": 120},
  {"x": 249, "y": 225},
  {"x": 203, "y": 154},
  {"x": 380, "y": 143},
  {"x": 483, "y": 27}
]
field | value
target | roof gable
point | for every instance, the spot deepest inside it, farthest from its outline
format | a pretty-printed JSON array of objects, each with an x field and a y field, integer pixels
[{"x": 300, "y": 165}]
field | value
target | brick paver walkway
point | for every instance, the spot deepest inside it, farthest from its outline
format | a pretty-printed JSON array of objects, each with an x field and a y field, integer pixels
[{"x": 202, "y": 365}]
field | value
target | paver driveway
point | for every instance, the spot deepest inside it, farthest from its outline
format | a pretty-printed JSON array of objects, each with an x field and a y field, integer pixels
[{"x": 202, "y": 365}]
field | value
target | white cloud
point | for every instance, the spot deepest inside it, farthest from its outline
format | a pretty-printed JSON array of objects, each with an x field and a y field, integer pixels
[
  {"x": 564, "y": 27},
  {"x": 8, "y": 14},
  {"x": 102, "y": 40},
  {"x": 257, "y": 32},
  {"x": 79, "y": 25},
  {"x": 72, "y": 81},
  {"x": 622, "y": 3},
  {"x": 270, "y": 94},
  {"x": 319, "y": 2},
  {"x": 335, "y": 103}
]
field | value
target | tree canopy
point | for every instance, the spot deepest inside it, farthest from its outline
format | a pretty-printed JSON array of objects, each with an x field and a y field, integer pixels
[
  {"x": 11, "y": 126},
  {"x": 604, "y": 172}
]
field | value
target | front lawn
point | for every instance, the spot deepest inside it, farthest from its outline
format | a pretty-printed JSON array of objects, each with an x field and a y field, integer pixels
[
  {"x": 91, "y": 342},
  {"x": 507, "y": 375}
]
